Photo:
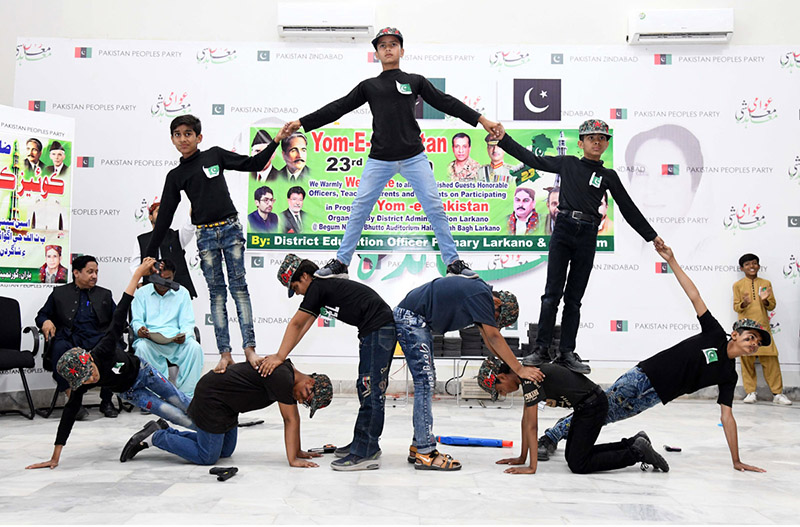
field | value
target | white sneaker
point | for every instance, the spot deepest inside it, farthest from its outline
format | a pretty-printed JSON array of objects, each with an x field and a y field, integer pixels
[
  {"x": 750, "y": 398},
  {"x": 781, "y": 399}
]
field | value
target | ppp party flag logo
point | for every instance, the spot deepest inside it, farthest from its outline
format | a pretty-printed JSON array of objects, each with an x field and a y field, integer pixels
[{"x": 537, "y": 99}]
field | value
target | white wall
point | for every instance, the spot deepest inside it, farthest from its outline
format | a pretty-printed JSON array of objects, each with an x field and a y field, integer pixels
[{"x": 468, "y": 21}]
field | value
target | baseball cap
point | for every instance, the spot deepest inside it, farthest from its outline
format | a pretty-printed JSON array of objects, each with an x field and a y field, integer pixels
[
  {"x": 509, "y": 309},
  {"x": 487, "y": 376},
  {"x": 286, "y": 271},
  {"x": 748, "y": 323},
  {"x": 594, "y": 126},
  {"x": 75, "y": 366},
  {"x": 323, "y": 393},
  {"x": 387, "y": 32}
]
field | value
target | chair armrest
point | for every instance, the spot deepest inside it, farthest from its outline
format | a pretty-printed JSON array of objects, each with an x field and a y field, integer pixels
[
  {"x": 36, "y": 334},
  {"x": 197, "y": 334}
]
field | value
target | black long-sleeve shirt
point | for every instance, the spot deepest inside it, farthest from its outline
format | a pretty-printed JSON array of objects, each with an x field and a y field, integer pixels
[
  {"x": 118, "y": 369},
  {"x": 202, "y": 177},
  {"x": 392, "y": 96},
  {"x": 576, "y": 191}
]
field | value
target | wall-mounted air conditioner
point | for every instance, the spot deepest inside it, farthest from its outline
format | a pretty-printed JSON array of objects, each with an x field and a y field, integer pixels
[
  {"x": 680, "y": 26},
  {"x": 326, "y": 21}
]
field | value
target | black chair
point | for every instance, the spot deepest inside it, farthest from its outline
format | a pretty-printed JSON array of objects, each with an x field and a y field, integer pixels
[{"x": 11, "y": 354}]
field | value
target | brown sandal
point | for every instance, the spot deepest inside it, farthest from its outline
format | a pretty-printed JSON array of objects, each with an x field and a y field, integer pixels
[
  {"x": 426, "y": 462},
  {"x": 412, "y": 454}
]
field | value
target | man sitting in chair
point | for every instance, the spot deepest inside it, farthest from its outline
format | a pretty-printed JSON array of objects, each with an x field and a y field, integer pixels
[
  {"x": 163, "y": 321},
  {"x": 78, "y": 314}
]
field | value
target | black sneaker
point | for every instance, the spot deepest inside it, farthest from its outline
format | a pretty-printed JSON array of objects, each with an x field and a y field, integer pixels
[
  {"x": 342, "y": 451},
  {"x": 644, "y": 450},
  {"x": 107, "y": 409},
  {"x": 135, "y": 445},
  {"x": 572, "y": 361},
  {"x": 82, "y": 414},
  {"x": 546, "y": 448},
  {"x": 459, "y": 268},
  {"x": 351, "y": 462},
  {"x": 333, "y": 269},
  {"x": 537, "y": 358}
]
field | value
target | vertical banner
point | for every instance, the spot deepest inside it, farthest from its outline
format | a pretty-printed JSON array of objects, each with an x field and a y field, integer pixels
[{"x": 36, "y": 171}]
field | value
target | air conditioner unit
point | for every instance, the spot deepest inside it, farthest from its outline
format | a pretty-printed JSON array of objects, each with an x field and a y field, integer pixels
[
  {"x": 326, "y": 21},
  {"x": 680, "y": 26}
]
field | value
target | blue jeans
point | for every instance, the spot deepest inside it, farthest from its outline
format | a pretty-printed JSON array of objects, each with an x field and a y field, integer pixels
[
  {"x": 630, "y": 395},
  {"x": 154, "y": 392},
  {"x": 201, "y": 447},
  {"x": 375, "y": 352},
  {"x": 415, "y": 338},
  {"x": 417, "y": 171},
  {"x": 572, "y": 245},
  {"x": 215, "y": 244}
]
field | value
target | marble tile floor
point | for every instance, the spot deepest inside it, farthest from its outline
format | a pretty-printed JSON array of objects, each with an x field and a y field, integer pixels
[{"x": 91, "y": 486}]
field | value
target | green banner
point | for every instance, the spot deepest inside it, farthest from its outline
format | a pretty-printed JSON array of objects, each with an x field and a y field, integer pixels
[{"x": 302, "y": 200}]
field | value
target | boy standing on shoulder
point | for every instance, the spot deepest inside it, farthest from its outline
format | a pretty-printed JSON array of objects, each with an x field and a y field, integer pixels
[
  {"x": 574, "y": 240},
  {"x": 753, "y": 299},
  {"x": 219, "y": 234},
  {"x": 396, "y": 148}
]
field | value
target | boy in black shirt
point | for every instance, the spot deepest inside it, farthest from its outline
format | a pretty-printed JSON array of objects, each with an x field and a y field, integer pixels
[
  {"x": 219, "y": 233},
  {"x": 395, "y": 148},
  {"x": 124, "y": 373},
  {"x": 702, "y": 360},
  {"x": 355, "y": 304},
  {"x": 574, "y": 239},
  {"x": 219, "y": 399},
  {"x": 562, "y": 387}
]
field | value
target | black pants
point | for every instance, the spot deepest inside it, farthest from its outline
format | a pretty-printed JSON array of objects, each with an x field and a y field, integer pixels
[
  {"x": 583, "y": 456},
  {"x": 572, "y": 245}
]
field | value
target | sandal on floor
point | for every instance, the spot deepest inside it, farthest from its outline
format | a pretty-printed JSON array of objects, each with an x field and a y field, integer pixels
[
  {"x": 426, "y": 462},
  {"x": 412, "y": 454}
]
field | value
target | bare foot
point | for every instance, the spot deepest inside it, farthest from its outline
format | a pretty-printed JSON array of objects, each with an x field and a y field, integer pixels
[
  {"x": 252, "y": 357},
  {"x": 225, "y": 360}
]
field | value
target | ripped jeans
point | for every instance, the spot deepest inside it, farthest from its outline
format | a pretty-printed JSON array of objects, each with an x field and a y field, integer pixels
[
  {"x": 415, "y": 338},
  {"x": 630, "y": 395},
  {"x": 152, "y": 391},
  {"x": 375, "y": 352}
]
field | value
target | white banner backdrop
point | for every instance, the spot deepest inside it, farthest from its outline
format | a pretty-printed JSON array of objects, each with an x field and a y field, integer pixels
[
  {"x": 18, "y": 208},
  {"x": 705, "y": 140}
]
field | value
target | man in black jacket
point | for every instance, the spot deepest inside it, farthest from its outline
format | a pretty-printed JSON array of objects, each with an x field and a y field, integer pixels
[{"x": 78, "y": 314}]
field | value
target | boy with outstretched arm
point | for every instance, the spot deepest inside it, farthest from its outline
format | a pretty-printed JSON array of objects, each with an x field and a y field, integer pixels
[
  {"x": 396, "y": 147},
  {"x": 442, "y": 305},
  {"x": 201, "y": 174},
  {"x": 358, "y": 305},
  {"x": 219, "y": 399},
  {"x": 562, "y": 387},
  {"x": 702, "y": 360},
  {"x": 584, "y": 182},
  {"x": 124, "y": 373}
]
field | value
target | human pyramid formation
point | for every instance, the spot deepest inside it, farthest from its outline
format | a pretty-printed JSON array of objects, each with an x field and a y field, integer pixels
[{"x": 455, "y": 301}]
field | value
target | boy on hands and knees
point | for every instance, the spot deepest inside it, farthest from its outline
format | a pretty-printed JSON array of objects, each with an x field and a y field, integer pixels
[
  {"x": 562, "y": 387},
  {"x": 124, "y": 373},
  {"x": 447, "y": 304},
  {"x": 574, "y": 239},
  {"x": 218, "y": 401},
  {"x": 753, "y": 299},
  {"x": 355, "y": 304},
  {"x": 396, "y": 148},
  {"x": 705, "y": 359},
  {"x": 219, "y": 234}
]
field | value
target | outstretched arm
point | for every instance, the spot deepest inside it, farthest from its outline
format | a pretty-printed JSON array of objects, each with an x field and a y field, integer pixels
[
  {"x": 686, "y": 283},
  {"x": 295, "y": 331},
  {"x": 731, "y": 435},
  {"x": 530, "y": 425},
  {"x": 291, "y": 435},
  {"x": 523, "y": 456}
]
